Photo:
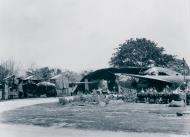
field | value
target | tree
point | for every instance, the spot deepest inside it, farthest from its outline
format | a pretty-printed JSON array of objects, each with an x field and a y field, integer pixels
[
  {"x": 45, "y": 72},
  {"x": 9, "y": 67},
  {"x": 71, "y": 75},
  {"x": 12, "y": 66},
  {"x": 85, "y": 72},
  {"x": 141, "y": 52},
  {"x": 3, "y": 73}
]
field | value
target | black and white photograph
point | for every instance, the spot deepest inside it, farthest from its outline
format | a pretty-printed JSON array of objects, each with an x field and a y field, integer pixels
[{"x": 94, "y": 68}]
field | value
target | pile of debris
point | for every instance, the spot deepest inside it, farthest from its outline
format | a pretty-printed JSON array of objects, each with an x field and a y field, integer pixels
[
  {"x": 101, "y": 99},
  {"x": 85, "y": 99}
]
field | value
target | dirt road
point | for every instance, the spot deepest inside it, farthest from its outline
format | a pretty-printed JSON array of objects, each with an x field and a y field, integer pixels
[{"x": 7, "y": 130}]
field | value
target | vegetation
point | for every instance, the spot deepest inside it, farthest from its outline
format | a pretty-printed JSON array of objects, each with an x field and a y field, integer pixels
[
  {"x": 114, "y": 117},
  {"x": 138, "y": 52},
  {"x": 46, "y": 73},
  {"x": 141, "y": 52},
  {"x": 9, "y": 67},
  {"x": 48, "y": 90}
]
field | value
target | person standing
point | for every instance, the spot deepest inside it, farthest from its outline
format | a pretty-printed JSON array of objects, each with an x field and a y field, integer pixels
[{"x": 6, "y": 90}]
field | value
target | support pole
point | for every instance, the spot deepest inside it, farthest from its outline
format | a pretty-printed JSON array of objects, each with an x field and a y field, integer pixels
[{"x": 86, "y": 85}]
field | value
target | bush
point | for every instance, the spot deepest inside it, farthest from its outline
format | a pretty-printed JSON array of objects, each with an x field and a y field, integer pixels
[
  {"x": 48, "y": 90},
  {"x": 30, "y": 90},
  {"x": 129, "y": 95},
  {"x": 63, "y": 101},
  {"x": 34, "y": 90},
  {"x": 94, "y": 99},
  {"x": 102, "y": 100}
]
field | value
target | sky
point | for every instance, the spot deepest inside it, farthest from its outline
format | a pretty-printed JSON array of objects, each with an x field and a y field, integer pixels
[{"x": 82, "y": 34}]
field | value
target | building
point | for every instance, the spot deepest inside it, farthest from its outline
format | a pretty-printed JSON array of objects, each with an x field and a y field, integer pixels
[{"x": 62, "y": 84}]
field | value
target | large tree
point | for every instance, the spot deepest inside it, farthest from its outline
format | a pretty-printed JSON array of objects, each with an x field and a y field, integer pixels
[{"x": 141, "y": 52}]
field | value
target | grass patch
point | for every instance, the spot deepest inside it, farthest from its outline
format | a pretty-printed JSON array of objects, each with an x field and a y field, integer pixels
[{"x": 134, "y": 117}]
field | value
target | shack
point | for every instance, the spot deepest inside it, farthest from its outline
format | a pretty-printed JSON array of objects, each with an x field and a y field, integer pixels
[
  {"x": 62, "y": 84},
  {"x": 30, "y": 85},
  {"x": 10, "y": 87},
  {"x": 95, "y": 78},
  {"x": 32, "y": 79}
]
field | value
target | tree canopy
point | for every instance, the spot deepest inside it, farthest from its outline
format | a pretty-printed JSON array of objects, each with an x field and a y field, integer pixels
[
  {"x": 9, "y": 67},
  {"x": 141, "y": 52}
]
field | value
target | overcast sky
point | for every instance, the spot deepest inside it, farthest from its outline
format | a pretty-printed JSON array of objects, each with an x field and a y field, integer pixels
[{"x": 82, "y": 34}]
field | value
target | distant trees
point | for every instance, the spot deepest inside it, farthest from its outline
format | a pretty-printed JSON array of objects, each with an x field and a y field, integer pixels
[
  {"x": 85, "y": 72},
  {"x": 72, "y": 76},
  {"x": 141, "y": 52},
  {"x": 3, "y": 73},
  {"x": 9, "y": 67},
  {"x": 46, "y": 73}
]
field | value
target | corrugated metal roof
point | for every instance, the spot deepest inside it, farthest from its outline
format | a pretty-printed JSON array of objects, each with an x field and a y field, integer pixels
[
  {"x": 32, "y": 77},
  {"x": 57, "y": 76}
]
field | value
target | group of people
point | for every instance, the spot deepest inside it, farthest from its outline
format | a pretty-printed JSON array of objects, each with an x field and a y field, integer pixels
[{"x": 11, "y": 88}]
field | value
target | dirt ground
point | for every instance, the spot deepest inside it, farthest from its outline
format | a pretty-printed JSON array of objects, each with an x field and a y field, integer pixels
[{"x": 123, "y": 118}]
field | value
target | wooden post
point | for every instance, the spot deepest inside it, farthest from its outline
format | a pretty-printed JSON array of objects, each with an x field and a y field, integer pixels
[{"x": 86, "y": 86}]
